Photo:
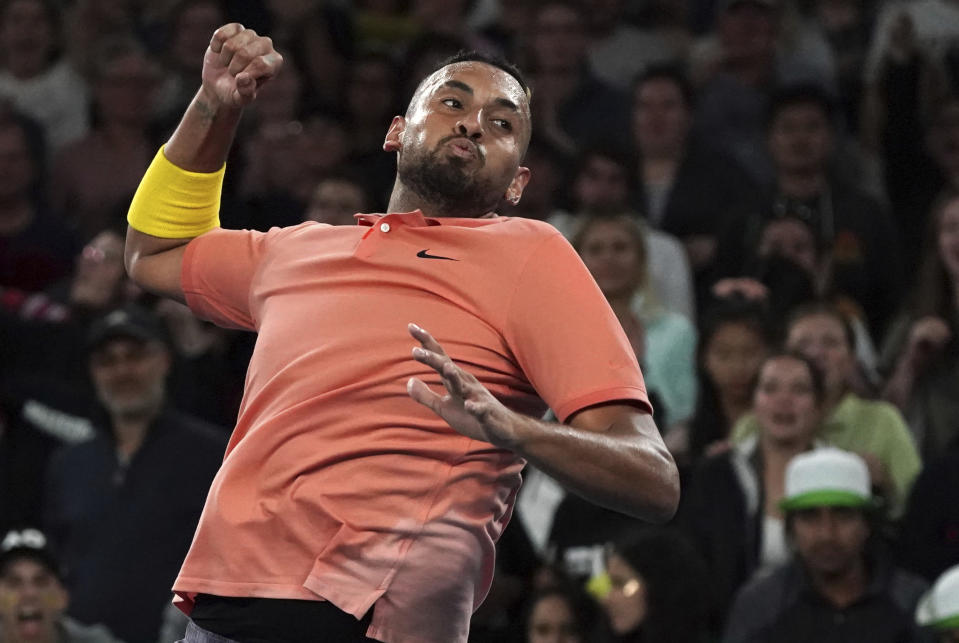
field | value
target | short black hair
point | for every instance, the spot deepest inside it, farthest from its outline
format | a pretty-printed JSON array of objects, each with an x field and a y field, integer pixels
[
  {"x": 488, "y": 59},
  {"x": 800, "y": 94},
  {"x": 669, "y": 71}
]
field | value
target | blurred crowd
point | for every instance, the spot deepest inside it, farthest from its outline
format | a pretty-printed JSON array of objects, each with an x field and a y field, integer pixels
[{"x": 766, "y": 191}]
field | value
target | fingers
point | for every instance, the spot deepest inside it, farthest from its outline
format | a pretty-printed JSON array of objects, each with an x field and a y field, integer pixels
[
  {"x": 457, "y": 381},
  {"x": 223, "y": 34},
  {"x": 424, "y": 338},
  {"x": 247, "y": 56},
  {"x": 422, "y": 394}
]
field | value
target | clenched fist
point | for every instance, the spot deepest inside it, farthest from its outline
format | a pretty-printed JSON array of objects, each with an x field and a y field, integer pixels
[{"x": 236, "y": 64}]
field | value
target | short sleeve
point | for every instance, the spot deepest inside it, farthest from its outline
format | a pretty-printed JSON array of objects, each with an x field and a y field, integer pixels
[
  {"x": 217, "y": 274},
  {"x": 565, "y": 336}
]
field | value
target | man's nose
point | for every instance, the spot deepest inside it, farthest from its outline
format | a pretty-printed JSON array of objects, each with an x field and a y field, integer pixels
[{"x": 470, "y": 125}]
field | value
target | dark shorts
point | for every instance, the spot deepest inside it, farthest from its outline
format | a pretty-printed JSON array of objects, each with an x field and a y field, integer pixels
[{"x": 217, "y": 619}]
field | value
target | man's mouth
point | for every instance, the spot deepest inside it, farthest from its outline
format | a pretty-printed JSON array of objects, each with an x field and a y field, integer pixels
[
  {"x": 464, "y": 148},
  {"x": 29, "y": 615}
]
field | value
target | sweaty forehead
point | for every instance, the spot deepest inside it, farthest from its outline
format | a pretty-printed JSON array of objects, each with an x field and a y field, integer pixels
[{"x": 480, "y": 77}]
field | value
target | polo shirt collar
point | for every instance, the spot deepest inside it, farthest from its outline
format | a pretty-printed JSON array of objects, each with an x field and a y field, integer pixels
[{"x": 417, "y": 220}]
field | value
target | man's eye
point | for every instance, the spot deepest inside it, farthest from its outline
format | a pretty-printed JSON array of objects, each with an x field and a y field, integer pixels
[
  {"x": 452, "y": 102},
  {"x": 505, "y": 124}
]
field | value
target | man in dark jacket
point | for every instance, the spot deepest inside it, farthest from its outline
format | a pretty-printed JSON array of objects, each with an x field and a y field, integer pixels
[
  {"x": 838, "y": 588},
  {"x": 123, "y": 506}
]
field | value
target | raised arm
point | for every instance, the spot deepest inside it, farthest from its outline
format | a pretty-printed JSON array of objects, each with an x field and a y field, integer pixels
[
  {"x": 611, "y": 455},
  {"x": 178, "y": 198}
]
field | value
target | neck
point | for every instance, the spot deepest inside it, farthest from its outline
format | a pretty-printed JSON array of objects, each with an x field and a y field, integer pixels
[
  {"x": 403, "y": 199},
  {"x": 778, "y": 453},
  {"x": 661, "y": 167},
  {"x": 843, "y": 588},
  {"x": 802, "y": 185},
  {"x": 130, "y": 429}
]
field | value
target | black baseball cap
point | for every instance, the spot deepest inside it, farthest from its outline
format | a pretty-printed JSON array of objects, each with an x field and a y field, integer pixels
[
  {"x": 28, "y": 543},
  {"x": 129, "y": 321}
]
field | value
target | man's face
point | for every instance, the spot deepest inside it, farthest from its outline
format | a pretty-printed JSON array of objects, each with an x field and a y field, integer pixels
[
  {"x": 602, "y": 184},
  {"x": 129, "y": 375},
  {"x": 559, "y": 38},
  {"x": 800, "y": 139},
  {"x": 830, "y": 540},
  {"x": 747, "y": 31},
  {"x": 660, "y": 117},
  {"x": 463, "y": 138},
  {"x": 31, "y": 601}
]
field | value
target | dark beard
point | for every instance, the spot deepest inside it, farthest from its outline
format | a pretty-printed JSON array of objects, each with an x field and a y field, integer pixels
[{"x": 447, "y": 184}]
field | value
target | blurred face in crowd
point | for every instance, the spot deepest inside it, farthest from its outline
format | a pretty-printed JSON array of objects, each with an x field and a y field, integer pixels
[
  {"x": 747, "y": 31},
  {"x": 129, "y": 375},
  {"x": 661, "y": 118},
  {"x": 822, "y": 338},
  {"x": 948, "y": 238},
  {"x": 280, "y": 99},
  {"x": 601, "y": 185},
  {"x": 791, "y": 239},
  {"x": 785, "y": 403},
  {"x": 370, "y": 95},
  {"x": 610, "y": 252},
  {"x": 800, "y": 139},
  {"x": 16, "y": 164},
  {"x": 335, "y": 201},
  {"x": 99, "y": 271},
  {"x": 626, "y": 603},
  {"x": 126, "y": 88},
  {"x": 829, "y": 540},
  {"x": 732, "y": 357},
  {"x": 32, "y": 600},
  {"x": 552, "y": 621},
  {"x": 559, "y": 38},
  {"x": 27, "y": 37},
  {"x": 463, "y": 137}
]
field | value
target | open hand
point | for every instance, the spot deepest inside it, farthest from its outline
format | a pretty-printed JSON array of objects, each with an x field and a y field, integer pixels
[
  {"x": 468, "y": 407},
  {"x": 237, "y": 63}
]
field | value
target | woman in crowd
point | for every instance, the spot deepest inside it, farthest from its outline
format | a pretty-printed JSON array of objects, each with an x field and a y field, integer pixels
[
  {"x": 561, "y": 614},
  {"x": 922, "y": 349},
  {"x": 657, "y": 589},
  {"x": 731, "y": 506},
  {"x": 614, "y": 249},
  {"x": 733, "y": 340}
]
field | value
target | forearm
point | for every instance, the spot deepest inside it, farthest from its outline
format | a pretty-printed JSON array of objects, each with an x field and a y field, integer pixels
[
  {"x": 626, "y": 467},
  {"x": 203, "y": 138}
]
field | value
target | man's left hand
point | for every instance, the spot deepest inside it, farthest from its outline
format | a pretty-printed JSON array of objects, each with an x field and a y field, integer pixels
[{"x": 468, "y": 407}]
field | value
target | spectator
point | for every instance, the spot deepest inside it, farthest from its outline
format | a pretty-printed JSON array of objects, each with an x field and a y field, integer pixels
[
  {"x": 863, "y": 247},
  {"x": 688, "y": 188},
  {"x": 572, "y": 108},
  {"x": 733, "y": 342},
  {"x": 921, "y": 353},
  {"x": 657, "y": 589},
  {"x": 124, "y": 505},
  {"x": 939, "y": 608},
  {"x": 873, "y": 429},
  {"x": 614, "y": 249},
  {"x": 33, "y": 597},
  {"x": 97, "y": 174},
  {"x": 35, "y": 76},
  {"x": 336, "y": 199},
  {"x": 560, "y": 614},
  {"x": 731, "y": 507},
  {"x": 602, "y": 183},
  {"x": 839, "y": 585},
  {"x": 929, "y": 537},
  {"x": 321, "y": 45},
  {"x": 35, "y": 247}
]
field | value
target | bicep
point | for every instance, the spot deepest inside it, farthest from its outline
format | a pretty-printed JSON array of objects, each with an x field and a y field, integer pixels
[
  {"x": 155, "y": 264},
  {"x": 617, "y": 419}
]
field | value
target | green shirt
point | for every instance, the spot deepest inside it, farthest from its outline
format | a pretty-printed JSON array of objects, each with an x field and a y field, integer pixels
[{"x": 865, "y": 426}]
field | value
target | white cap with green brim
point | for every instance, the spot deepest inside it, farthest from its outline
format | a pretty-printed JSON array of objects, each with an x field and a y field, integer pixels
[
  {"x": 826, "y": 477},
  {"x": 939, "y": 607}
]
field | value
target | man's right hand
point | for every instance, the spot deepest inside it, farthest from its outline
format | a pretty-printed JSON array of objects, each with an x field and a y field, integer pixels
[{"x": 236, "y": 64}]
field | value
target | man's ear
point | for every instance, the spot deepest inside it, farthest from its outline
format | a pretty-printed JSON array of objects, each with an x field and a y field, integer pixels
[
  {"x": 392, "y": 142},
  {"x": 515, "y": 190}
]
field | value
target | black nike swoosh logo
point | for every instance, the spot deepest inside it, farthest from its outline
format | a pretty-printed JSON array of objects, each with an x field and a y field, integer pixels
[{"x": 423, "y": 254}]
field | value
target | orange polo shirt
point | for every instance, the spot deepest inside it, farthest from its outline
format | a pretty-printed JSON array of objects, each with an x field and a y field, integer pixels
[{"x": 336, "y": 485}]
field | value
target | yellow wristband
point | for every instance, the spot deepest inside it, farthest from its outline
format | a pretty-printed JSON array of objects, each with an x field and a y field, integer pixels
[{"x": 174, "y": 203}]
